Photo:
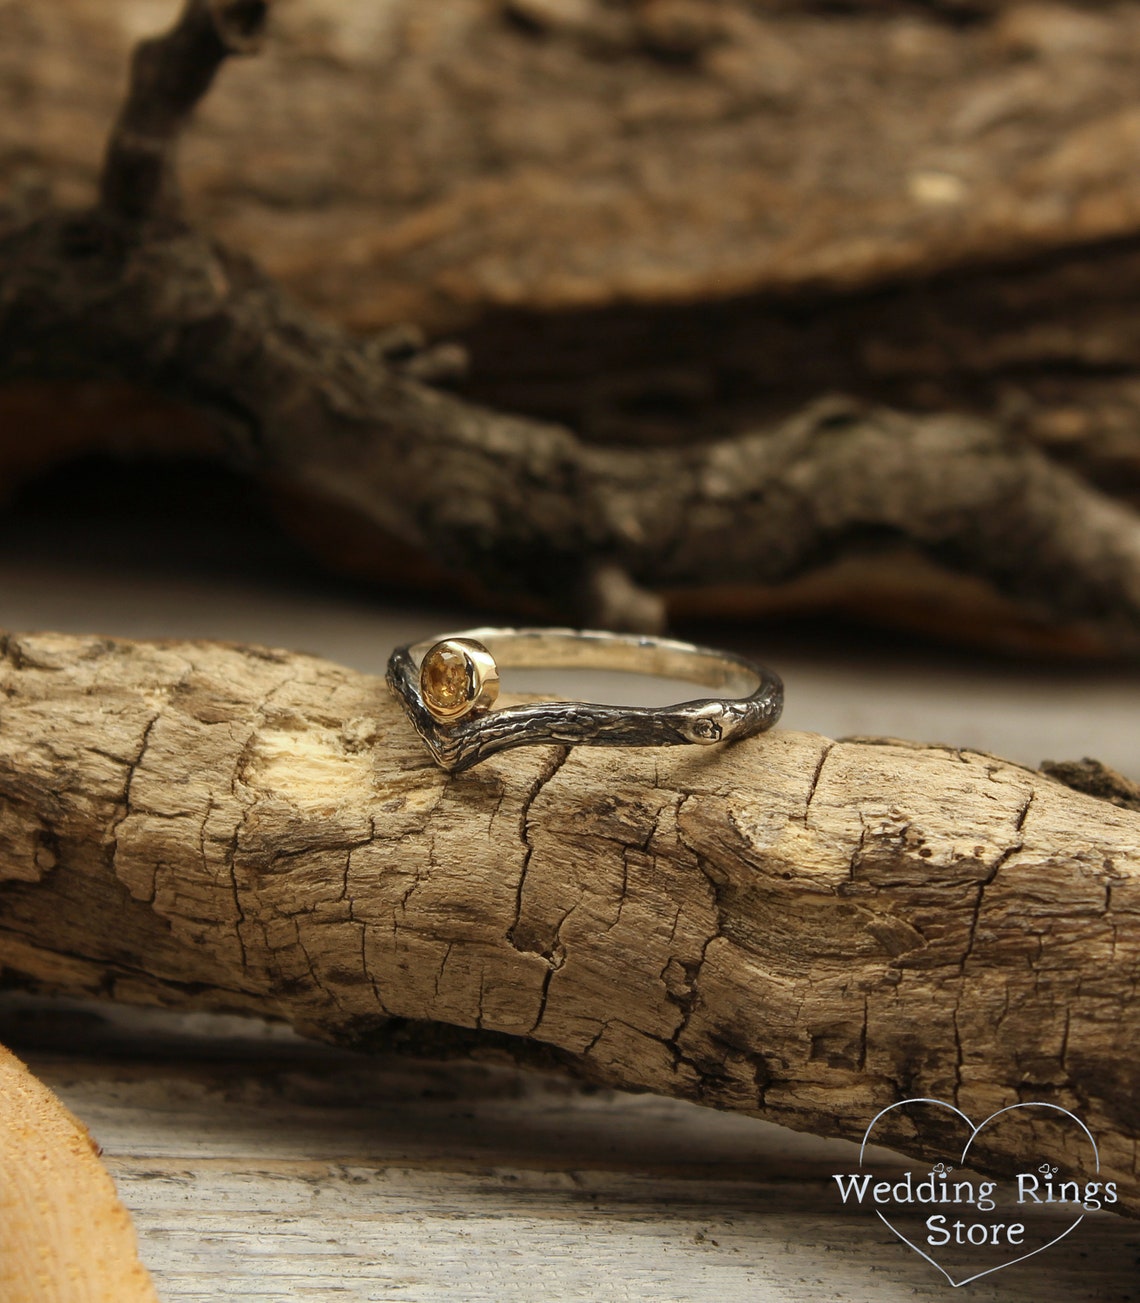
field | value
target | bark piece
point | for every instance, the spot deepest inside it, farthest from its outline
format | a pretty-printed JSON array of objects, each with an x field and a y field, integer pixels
[
  {"x": 427, "y": 164},
  {"x": 802, "y": 929},
  {"x": 64, "y": 1235},
  {"x": 1098, "y": 780},
  {"x": 500, "y": 168}
]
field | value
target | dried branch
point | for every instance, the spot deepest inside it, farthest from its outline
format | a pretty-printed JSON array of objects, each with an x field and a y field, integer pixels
[
  {"x": 169, "y": 76},
  {"x": 524, "y": 509}
]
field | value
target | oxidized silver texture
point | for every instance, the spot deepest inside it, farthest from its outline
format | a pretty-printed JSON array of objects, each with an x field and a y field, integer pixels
[{"x": 705, "y": 720}]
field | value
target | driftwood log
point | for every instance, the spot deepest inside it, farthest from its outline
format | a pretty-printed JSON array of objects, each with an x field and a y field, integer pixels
[
  {"x": 971, "y": 261},
  {"x": 791, "y": 927}
]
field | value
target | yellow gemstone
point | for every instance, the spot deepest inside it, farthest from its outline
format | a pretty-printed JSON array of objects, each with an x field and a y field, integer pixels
[{"x": 446, "y": 681}]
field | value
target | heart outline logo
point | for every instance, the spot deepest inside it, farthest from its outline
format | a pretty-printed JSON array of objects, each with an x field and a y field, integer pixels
[{"x": 974, "y": 1132}]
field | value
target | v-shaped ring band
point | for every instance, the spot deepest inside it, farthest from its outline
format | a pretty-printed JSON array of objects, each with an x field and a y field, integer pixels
[{"x": 448, "y": 685}]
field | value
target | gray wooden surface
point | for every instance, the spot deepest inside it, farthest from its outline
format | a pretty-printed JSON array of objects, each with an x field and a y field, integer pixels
[
  {"x": 262, "y": 1167},
  {"x": 258, "y": 1166}
]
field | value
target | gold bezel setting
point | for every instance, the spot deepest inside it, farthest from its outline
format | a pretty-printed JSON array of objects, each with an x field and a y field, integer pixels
[{"x": 458, "y": 678}]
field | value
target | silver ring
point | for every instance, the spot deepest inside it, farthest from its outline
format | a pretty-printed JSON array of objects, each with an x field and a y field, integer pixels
[{"x": 449, "y": 684}]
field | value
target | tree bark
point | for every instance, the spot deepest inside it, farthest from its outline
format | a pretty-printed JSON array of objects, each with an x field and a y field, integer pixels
[{"x": 797, "y": 928}]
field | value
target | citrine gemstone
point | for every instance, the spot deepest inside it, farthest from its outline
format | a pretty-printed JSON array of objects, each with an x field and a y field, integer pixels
[
  {"x": 458, "y": 678},
  {"x": 446, "y": 680}
]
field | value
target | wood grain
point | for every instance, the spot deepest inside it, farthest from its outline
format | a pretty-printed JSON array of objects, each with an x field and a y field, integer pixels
[{"x": 64, "y": 1235}]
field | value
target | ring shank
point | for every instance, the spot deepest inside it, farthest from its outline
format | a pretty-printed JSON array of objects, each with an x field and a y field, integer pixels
[
  {"x": 587, "y": 649},
  {"x": 746, "y": 698}
]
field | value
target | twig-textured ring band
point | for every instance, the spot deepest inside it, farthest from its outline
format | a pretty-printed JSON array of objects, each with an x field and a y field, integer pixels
[{"x": 448, "y": 685}]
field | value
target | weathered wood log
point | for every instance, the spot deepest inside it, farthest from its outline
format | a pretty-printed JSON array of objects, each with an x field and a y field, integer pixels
[
  {"x": 796, "y": 928},
  {"x": 64, "y": 1235}
]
